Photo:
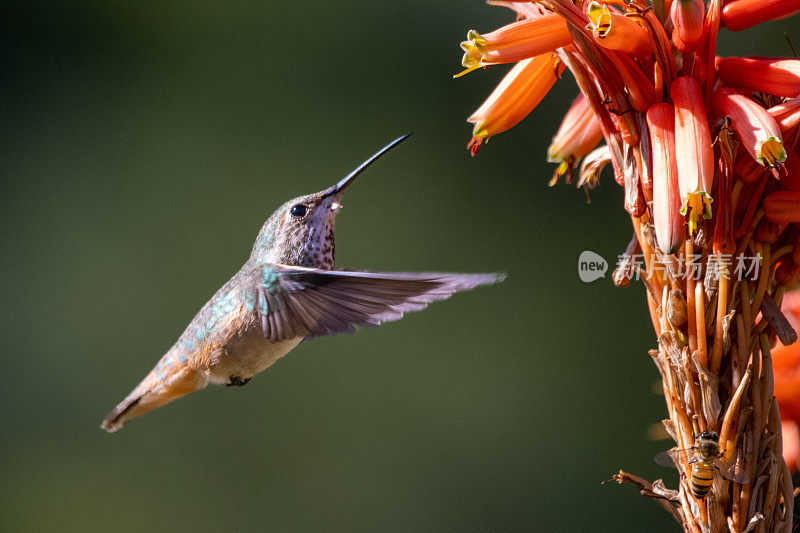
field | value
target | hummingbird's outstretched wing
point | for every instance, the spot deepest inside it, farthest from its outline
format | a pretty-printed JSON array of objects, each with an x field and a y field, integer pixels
[{"x": 307, "y": 302}]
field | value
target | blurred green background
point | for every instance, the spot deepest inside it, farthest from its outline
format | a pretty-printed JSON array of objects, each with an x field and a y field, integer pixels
[{"x": 144, "y": 144}]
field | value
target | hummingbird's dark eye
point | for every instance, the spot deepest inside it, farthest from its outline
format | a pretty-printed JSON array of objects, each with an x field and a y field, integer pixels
[{"x": 299, "y": 211}]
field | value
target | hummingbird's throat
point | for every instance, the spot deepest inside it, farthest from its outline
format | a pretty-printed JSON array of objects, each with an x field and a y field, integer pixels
[{"x": 313, "y": 248}]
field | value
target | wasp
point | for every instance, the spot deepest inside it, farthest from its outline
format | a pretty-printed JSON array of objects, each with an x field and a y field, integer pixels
[{"x": 706, "y": 459}]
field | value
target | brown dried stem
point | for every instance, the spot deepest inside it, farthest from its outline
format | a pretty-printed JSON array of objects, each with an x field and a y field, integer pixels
[{"x": 715, "y": 392}]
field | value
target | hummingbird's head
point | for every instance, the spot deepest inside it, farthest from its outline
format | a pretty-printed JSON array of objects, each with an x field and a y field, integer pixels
[{"x": 300, "y": 232}]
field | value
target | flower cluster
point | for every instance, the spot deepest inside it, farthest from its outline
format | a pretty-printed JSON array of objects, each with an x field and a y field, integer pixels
[{"x": 707, "y": 149}]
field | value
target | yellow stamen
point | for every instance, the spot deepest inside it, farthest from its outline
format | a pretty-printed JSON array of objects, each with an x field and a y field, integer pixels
[
  {"x": 466, "y": 71},
  {"x": 697, "y": 204},
  {"x": 477, "y": 40},
  {"x": 471, "y": 60},
  {"x": 600, "y": 17},
  {"x": 771, "y": 152},
  {"x": 562, "y": 169}
]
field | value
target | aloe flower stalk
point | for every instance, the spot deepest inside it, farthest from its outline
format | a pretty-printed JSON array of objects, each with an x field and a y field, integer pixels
[{"x": 675, "y": 133}]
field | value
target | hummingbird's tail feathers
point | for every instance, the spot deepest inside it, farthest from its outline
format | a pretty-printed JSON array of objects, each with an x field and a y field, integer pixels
[
  {"x": 307, "y": 302},
  {"x": 114, "y": 421},
  {"x": 154, "y": 391}
]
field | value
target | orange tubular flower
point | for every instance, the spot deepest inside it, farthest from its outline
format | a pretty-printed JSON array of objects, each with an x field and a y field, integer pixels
[
  {"x": 693, "y": 150},
  {"x": 780, "y": 77},
  {"x": 578, "y": 134},
  {"x": 787, "y": 114},
  {"x": 757, "y": 130},
  {"x": 666, "y": 192},
  {"x": 520, "y": 91},
  {"x": 514, "y": 42},
  {"x": 687, "y": 17},
  {"x": 742, "y": 14},
  {"x": 617, "y": 32}
]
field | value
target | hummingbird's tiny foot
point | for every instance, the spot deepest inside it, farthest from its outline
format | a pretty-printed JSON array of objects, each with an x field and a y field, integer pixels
[{"x": 237, "y": 381}]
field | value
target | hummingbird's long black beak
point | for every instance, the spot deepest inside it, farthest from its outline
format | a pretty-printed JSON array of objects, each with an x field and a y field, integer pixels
[{"x": 347, "y": 180}]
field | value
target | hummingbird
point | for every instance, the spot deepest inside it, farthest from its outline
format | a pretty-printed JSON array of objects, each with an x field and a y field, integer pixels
[{"x": 286, "y": 292}]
